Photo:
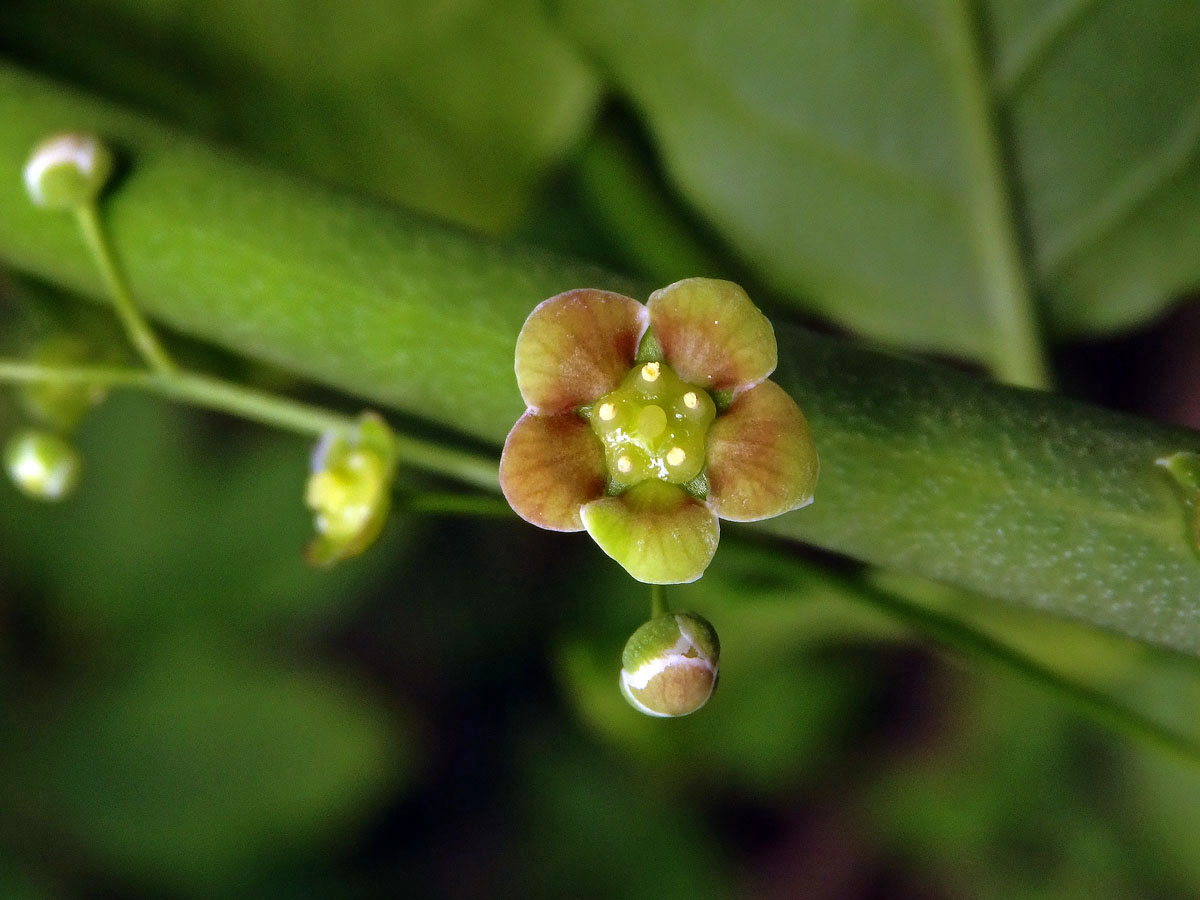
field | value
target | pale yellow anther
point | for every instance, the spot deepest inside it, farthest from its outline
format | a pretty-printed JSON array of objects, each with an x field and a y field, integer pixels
[
  {"x": 624, "y": 465},
  {"x": 608, "y": 412},
  {"x": 676, "y": 456},
  {"x": 650, "y": 371},
  {"x": 690, "y": 400}
]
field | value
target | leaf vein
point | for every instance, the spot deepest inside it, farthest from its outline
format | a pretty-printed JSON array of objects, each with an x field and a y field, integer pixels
[
  {"x": 1014, "y": 68},
  {"x": 1129, "y": 195}
]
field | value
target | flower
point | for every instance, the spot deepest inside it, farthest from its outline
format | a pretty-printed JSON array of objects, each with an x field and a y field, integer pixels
[
  {"x": 349, "y": 489},
  {"x": 645, "y": 423}
]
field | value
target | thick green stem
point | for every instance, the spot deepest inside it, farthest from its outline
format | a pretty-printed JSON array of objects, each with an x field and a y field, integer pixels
[
  {"x": 258, "y": 406},
  {"x": 136, "y": 327},
  {"x": 1023, "y": 496},
  {"x": 1018, "y": 353}
]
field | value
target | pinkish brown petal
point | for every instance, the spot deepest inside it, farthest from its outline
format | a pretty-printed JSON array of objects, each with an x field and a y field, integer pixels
[
  {"x": 656, "y": 531},
  {"x": 576, "y": 347},
  {"x": 550, "y": 467},
  {"x": 712, "y": 334},
  {"x": 761, "y": 458}
]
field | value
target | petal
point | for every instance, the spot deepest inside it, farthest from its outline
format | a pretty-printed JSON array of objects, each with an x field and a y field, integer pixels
[
  {"x": 577, "y": 346},
  {"x": 761, "y": 460},
  {"x": 551, "y": 466},
  {"x": 656, "y": 531},
  {"x": 712, "y": 334}
]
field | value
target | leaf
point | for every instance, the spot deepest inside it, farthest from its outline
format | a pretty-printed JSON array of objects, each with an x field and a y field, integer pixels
[
  {"x": 454, "y": 107},
  {"x": 848, "y": 151},
  {"x": 197, "y": 764}
]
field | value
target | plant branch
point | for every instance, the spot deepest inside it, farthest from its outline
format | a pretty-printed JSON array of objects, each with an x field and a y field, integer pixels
[
  {"x": 140, "y": 333},
  {"x": 257, "y": 406},
  {"x": 658, "y": 601},
  {"x": 1094, "y": 704}
]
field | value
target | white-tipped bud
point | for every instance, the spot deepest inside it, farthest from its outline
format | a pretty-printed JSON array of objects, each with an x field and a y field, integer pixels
[
  {"x": 41, "y": 464},
  {"x": 670, "y": 665},
  {"x": 67, "y": 171}
]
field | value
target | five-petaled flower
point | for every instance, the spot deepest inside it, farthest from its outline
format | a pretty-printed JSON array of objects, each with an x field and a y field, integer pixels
[{"x": 645, "y": 423}]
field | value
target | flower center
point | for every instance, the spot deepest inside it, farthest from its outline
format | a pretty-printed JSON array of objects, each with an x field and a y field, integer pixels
[{"x": 653, "y": 426}]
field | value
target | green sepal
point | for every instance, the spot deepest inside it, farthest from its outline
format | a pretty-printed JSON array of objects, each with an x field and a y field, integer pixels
[
  {"x": 649, "y": 350},
  {"x": 698, "y": 487}
]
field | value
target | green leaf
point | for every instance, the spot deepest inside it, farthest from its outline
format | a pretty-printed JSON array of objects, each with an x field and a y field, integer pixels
[
  {"x": 849, "y": 150},
  {"x": 198, "y": 764},
  {"x": 455, "y": 107}
]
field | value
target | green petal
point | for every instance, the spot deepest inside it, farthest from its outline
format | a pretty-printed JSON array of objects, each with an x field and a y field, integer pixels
[
  {"x": 761, "y": 458},
  {"x": 712, "y": 334},
  {"x": 550, "y": 467},
  {"x": 577, "y": 346},
  {"x": 656, "y": 531}
]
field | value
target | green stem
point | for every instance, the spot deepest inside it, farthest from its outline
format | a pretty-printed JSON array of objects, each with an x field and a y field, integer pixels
[
  {"x": 1018, "y": 355},
  {"x": 658, "y": 601},
  {"x": 140, "y": 333},
  {"x": 433, "y": 503},
  {"x": 258, "y": 406},
  {"x": 1094, "y": 704}
]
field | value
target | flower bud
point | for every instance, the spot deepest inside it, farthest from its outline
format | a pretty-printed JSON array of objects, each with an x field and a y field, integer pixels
[
  {"x": 41, "y": 464},
  {"x": 57, "y": 404},
  {"x": 67, "y": 171},
  {"x": 670, "y": 665},
  {"x": 349, "y": 489}
]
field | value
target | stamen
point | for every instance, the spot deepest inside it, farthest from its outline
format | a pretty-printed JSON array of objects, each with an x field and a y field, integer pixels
[
  {"x": 608, "y": 412},
  {"x": 650, "y": 371},
  {"x": 690, "y": 400},
  {"x": 624, "y": 465},
  {"x": 676, "y": 456}
]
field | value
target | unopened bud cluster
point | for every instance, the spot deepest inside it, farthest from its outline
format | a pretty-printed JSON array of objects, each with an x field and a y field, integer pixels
[{"x": 64, "y": 172}]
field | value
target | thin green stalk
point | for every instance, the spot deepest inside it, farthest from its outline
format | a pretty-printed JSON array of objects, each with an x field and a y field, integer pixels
[
  {"x": 258, "y": 406},
  {"x": 140, "y": 333},
  {"x": 435, "y": 503},
  {"x": 1094, "y": 704},
  {"x": 1018, "y": 355},
  {"x": 658, "y": 601}
]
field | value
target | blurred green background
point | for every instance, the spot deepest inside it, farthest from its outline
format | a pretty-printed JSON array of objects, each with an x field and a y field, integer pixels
[{"x": 187, "y": 711}]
